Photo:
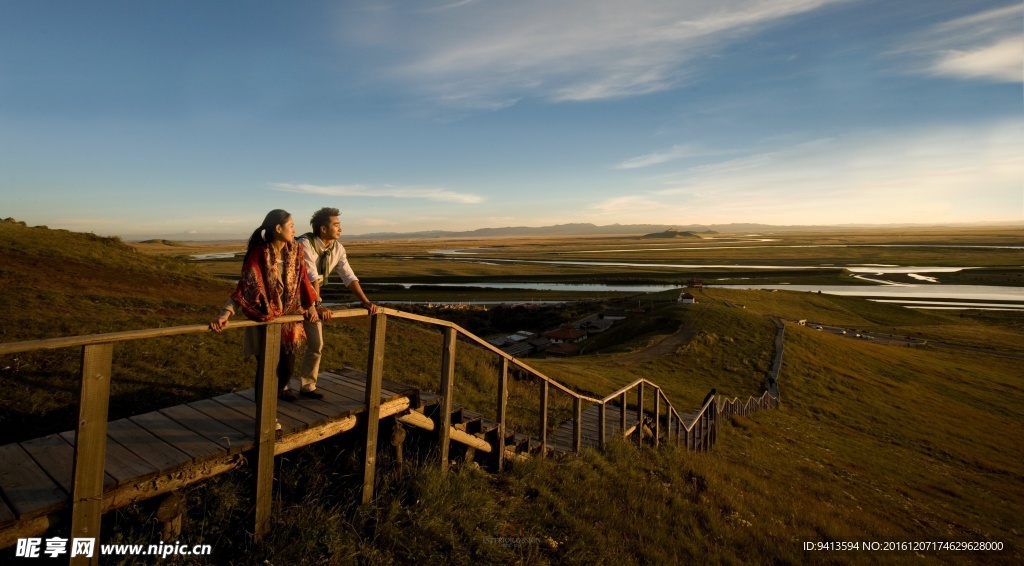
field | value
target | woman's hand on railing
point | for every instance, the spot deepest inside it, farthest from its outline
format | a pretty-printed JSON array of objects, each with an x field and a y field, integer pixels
[
  {"x": 220, "y": 323},
  {"x": 311, "y": 315},
  {"x": 325, "y": 313}
]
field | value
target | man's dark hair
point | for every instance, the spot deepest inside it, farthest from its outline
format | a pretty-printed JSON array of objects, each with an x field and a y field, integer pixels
[{"x": 322, "y": 217}]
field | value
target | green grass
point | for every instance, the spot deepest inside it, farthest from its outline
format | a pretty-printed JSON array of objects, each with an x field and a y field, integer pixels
[{"x": 871, "y": 442}]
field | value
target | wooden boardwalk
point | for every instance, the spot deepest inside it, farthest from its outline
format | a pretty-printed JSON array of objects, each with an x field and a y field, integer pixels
[{"x": 160, "y": 451}]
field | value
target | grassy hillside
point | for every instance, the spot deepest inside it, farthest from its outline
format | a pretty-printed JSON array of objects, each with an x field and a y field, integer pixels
[{"x": 871, "y": 443}]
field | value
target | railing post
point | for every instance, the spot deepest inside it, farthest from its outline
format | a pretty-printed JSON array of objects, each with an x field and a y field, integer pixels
[
  {"x": 657, "y": 415},
  {"x": 502, "y": 402},
  {"x": 640, "y": 414},
  {"x": 543, "y": 418},
  {"x": 602, "y": 426},
  {"x": 374, "y": 375},
  {"x": 622, "y": 413},
  {"x": 668, "y": 422},
  {"x": 266, "y": 423},
  {"x": 717, "y": 422},
  {"x": 91, "y": 446},
  {"x": 444, "y": 420},
  {"x": 577, "y": 424}
]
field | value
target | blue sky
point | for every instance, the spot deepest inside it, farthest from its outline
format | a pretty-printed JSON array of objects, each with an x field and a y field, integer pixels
[{"x": 146, "y": 119}]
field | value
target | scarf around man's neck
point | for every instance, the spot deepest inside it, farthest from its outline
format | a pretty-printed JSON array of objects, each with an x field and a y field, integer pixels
[{"x": 323, "y": 255}]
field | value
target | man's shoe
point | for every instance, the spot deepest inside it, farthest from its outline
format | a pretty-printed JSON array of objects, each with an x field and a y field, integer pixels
[
  {"x": 287, "y": 395},
  {"x": 314, "y": 394}
]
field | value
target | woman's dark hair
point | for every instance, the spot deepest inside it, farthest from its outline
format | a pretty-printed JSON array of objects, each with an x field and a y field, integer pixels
[{"x": 265, "y": 232}]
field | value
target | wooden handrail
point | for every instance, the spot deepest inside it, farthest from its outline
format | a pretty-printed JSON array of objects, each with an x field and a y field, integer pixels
[
  {"x": 126, "y": 335},
  {"x": 96, "y": 368}
]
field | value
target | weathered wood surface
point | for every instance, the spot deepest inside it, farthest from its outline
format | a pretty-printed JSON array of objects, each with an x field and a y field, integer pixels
[{"x": 185, "y": 442}]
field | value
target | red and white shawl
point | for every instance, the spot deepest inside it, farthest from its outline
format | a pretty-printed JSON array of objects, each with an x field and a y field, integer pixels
[{"x": 269, "y": 289}]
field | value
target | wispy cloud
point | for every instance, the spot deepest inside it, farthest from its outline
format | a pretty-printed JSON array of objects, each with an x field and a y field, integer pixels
[
  {"x": 675, "y": 153},
  {"x": 945, "y": 174},
  {"x": 390, "y": 191},
  {"x": 985, "y": 46},
  {"x": 497, "y": 52},
  {"x": 625, "y": 205},
  {"x": 376, "y": 222}
]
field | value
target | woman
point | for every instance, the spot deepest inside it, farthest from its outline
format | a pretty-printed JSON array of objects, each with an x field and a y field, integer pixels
[{"x": 273, "y": 284}]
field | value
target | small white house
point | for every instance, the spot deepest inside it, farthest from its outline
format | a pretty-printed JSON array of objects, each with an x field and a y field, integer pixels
[{"x": 687, "y": 299}]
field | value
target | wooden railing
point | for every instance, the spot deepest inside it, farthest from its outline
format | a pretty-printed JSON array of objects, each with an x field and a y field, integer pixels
[{"x": 97, "y": 350}]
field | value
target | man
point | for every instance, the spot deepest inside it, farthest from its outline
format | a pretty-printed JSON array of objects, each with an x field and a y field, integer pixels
[{"x": 324, "y": 254}]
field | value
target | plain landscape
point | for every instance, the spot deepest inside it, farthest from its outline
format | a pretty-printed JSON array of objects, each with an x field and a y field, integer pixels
[{"x": 872, "y": 442}]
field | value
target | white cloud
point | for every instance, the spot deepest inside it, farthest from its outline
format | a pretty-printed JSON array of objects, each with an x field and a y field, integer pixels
[
  {"x": 942, "y": 175},
  {"x": 427, "y": 193},
  {"x": 985, "y": 46},
  {"x": 674, "y": 153},
  {"x": 625, "y": 205},
  {"x": 496, "y": 52},
  {"x": 376, "y": 222}
]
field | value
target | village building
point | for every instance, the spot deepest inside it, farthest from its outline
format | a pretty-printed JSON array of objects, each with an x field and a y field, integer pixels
[
  {"x": 566, "y": 334},
  {"x": 687, "y": 299},
  {"x": 562, "y": 350},
  {"x": 614, "y": 314},
  {"x": 518, "y": 350}
]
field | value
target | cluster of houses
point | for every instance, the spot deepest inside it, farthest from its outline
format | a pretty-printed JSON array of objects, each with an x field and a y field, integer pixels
[
  {"x": 565, "y": 340},
  {"x": 559, "y": 342}
]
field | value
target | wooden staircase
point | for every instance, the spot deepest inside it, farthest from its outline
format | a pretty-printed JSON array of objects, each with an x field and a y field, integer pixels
[{"x": 103, "y": 465}]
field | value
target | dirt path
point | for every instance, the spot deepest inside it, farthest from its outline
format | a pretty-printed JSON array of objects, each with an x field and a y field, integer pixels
[{"x": 666, "y": 345}]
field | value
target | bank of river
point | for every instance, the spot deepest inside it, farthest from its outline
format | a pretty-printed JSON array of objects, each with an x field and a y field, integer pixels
[
  {"x": 912, "y": 295},
  {"x": 915, "y": 296}
]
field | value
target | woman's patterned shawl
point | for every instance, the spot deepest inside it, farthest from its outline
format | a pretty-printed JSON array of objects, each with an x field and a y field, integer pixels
[{"x": 269, "y": 289}]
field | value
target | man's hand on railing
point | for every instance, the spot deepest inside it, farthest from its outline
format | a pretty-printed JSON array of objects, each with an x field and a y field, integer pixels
[
  {"x": 371, "y": 308},
  {"x": 311, "y": 315},
  {"x": 325, "y": 313}
]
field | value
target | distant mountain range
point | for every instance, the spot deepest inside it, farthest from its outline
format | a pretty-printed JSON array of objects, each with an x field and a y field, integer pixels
[
  {"x": 579, "y": 229},
  {"x": 645, "y": 230}
]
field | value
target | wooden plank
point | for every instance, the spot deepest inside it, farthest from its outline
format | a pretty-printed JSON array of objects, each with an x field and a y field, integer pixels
[
  {"x": 374, "y": 373},
  {"x": 149, "y": 448},
  {"x": 121, "y": 464},
  {"x": 56, "y": 457},
  {"x": 577, "y": 425},
  {"x": 359, "y": 384},
  {"x": 90, "y": 451},
  {"x": 264, "y": 434},
  {"x": 543, "y": 413},
  {"x": 339, "y": 405},
  {"x": 447, "y": 389},
  {"x": 6, "y": 514},
  {"x": 346, "y": 399},
  {"x": 26, "y": 486},
  {"x": 198, "y": 448},
  {"x": 357, "y": 379},
  {"x": 623, "y": 426},
  {"x": 247, "y": 407},
  {"x": 345, "y": 390},
  {"x": 293, "y": 410},
  {"x": 241, "y": 424},
  {"x": 502, "y": 404},
  {"x": 226, "y": 437}
]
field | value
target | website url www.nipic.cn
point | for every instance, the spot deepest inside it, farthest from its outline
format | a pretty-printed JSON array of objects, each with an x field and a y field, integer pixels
[{"x": 57, "y": 546}]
